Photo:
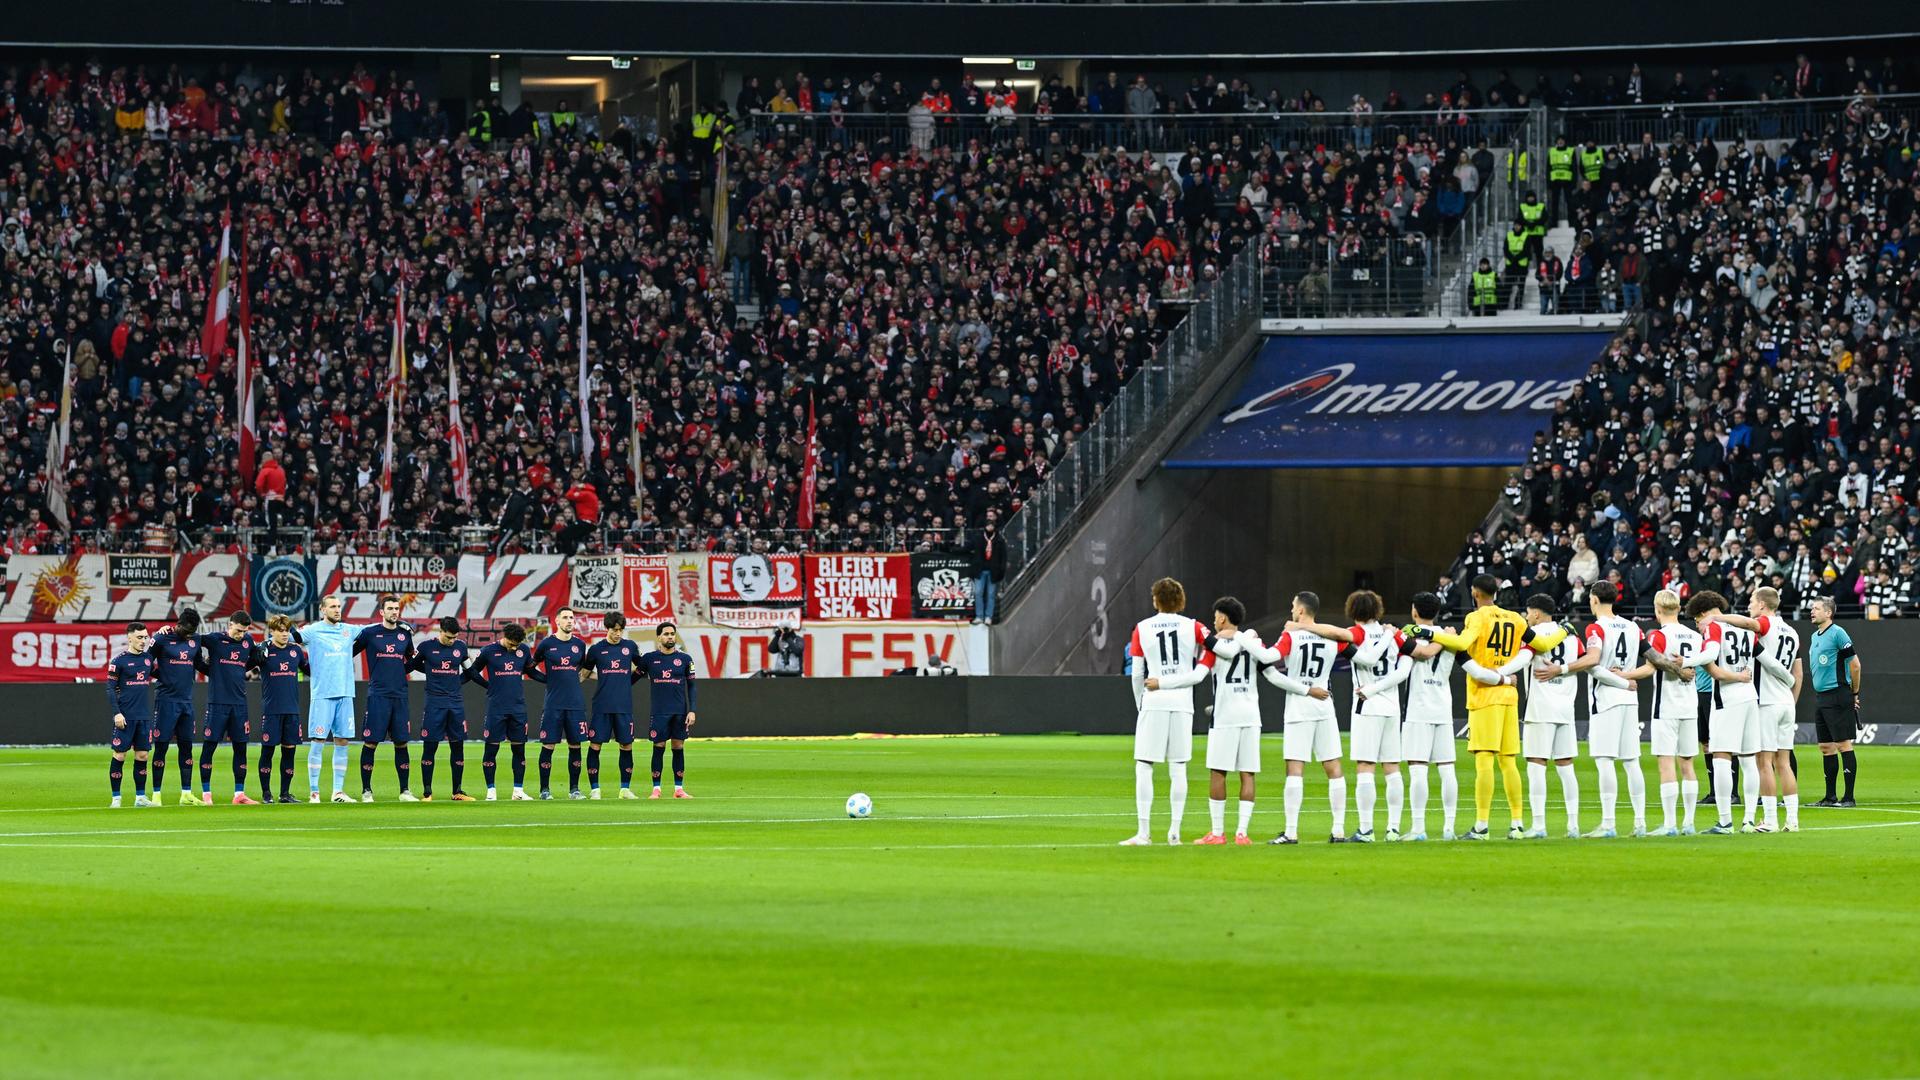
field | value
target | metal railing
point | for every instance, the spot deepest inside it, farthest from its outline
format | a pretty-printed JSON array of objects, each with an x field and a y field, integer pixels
[
  {"x": 1613, "y": 125},
  {"x": 1339, "y": 277},
  {"x": 489, "y": 539},
  {"x": 1227, "y": 309},
  {"x": 1297, "y": 131}
]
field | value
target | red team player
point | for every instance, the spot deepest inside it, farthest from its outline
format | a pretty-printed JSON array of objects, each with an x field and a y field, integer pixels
[{"x": 1167, "y": 647}]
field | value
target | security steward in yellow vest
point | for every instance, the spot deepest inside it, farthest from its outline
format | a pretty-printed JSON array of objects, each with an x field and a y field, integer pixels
[
  {"x": 1592, "y": 159},
  {"x": 1520, "y": 246},
  {"x": 1517, "y": 168},
  {"x": 566, "y": 123},
  {"x": 1486, "y": 290},
  {"x": 480, "y": 126},
  {"x": 1534, "y": 213},
  {"x": 1560, "y": 159}
]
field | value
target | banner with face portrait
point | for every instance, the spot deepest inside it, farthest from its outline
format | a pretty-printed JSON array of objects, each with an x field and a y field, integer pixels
[{"x": 754, "y": 591}]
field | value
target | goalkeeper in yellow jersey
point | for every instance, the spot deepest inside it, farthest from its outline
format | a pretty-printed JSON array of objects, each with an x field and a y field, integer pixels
[{"x": 1496, "y": 642}]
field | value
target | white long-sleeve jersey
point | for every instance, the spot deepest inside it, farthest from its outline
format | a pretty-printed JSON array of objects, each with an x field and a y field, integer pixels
[{"x": 1167, "y": 647}]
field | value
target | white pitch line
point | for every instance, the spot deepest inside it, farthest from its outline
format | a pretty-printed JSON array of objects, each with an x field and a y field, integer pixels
[
  {"x": 885, "y": 796},
  {"x": 1869, "y": 825},
  {"x": 521, "y": 850}
]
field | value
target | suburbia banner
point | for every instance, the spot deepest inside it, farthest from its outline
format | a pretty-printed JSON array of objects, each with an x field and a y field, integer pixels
[
  {"x": 1355, "y": 401},
  {"x": 754, "y": 591}
]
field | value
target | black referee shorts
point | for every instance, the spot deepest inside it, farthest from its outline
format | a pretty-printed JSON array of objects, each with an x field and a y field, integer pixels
[{"x": 1834, "y": 717}]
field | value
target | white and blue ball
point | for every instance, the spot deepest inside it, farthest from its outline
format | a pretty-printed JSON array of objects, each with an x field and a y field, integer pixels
[{"x": 858, "y": 805}]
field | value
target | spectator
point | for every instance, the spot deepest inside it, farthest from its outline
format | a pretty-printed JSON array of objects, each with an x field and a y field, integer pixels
[{"x": 992, "y": 553}]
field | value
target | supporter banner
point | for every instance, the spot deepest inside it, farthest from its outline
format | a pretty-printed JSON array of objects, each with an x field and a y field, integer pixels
[
  {"x": 596, "y": 583},
  {"x": 754, "y": 590},
  {"x": 689, "y": 572},
  {"x": 77, "y": 588},
  {"x": 473, "y": 589},
  {"x": 57, "y": 652},
  {"x": 872, "y": 587},
  {"x": 647, "y": 589},
  {"x": 284, "y": 586},
  {"x": 139, "y": 571},
  {"x": 943, "y": 585},
  {"x": 1344, "y": 400},
  {"x": 376, "y": 574},
  {"x": 848, "y": 649}
]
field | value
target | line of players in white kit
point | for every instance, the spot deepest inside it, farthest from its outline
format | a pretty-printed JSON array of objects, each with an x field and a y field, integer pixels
[{"x": 1753, "y": 661}]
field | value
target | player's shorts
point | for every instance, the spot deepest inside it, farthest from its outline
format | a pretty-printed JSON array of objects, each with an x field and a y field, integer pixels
[
  {"x": 505, "y": 727},
  {"x": 386, "y": 719},
  {"x": 1735, "y": 728},
  {"x": 1158, "y": 735},
  {"x": 444, "y": 721},
  {"x": 280, "y": 729},
  {"x": 1234, "y": 749},
  {"x": 1494, "y": 728},
  {"x": 1703, "y": 714},
  {"x": 667, "y": 726},
  {"x": 1375, "y": 738},
  {"x": 1548, "y": 742},
  {"x": 1310, "y": 740},
  {"x": 570, "y": 724},
  {"x": 1835, "y": 719},
  {"x": 1776, "y": 727},
  {"x": 1422, "y": 741},
  {"x": 226, "y": 723},
  {"x": 615, "y": 728},
  {"x": 137, "y": 735},
  {"x": 173, "y": 721},
  {"x": 330, "y": 718},
  {"x": 1675, "y": 736},
  {"x": 1614, "y": 732}
]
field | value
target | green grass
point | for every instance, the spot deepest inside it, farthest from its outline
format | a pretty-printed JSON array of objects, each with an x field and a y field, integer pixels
[{"x": 980, "y": 924}]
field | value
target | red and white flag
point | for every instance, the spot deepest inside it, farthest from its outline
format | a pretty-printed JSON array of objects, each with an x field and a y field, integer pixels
[
  {"x": 57, "y": 441},
  {"x": 213, "y": 335},
  {"x": 244, "y": 377},
  {"x": 396, "y": 385},
  {"x": 457, "y": 435},
  {"x": 589, "y": 446},
  {"x": 809, "y": 470}
]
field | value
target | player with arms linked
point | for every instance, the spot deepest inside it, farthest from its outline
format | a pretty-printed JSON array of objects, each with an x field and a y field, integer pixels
[
  {"x": 226, "y": 660},
  {"x": 280, "y": 663},
  {"x": 329, "y": 645},
  {"x": 443, "y": 658},
  {"x": 612, "y": 661},
  {"x": 503, "y": 668},
  {"x": 130, "y": 679},
  {"x": 389, "y": 648},
  {"x": 174, "y": 650},
  {"x": 565, "y": 711},
  {"x": 670, "y": 704}
]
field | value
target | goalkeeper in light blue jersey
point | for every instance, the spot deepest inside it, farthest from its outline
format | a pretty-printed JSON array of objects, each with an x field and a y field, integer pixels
[{"x": 329, "y": 644}]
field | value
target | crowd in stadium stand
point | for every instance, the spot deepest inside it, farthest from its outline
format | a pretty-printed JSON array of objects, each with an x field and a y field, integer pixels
[
  {"x": 955, "y": 313},
  {"x": 1756, "y": 426}
]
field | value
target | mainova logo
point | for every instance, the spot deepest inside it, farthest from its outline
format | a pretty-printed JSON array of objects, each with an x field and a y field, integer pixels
[{"x": 1330, "y": 391}]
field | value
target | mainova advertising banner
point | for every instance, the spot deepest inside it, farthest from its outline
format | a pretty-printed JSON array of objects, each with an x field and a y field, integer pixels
[{"x": 1335, "y": 401}]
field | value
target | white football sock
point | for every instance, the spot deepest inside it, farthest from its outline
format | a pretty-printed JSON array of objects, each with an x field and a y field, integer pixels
[
  {"x": 1689, "y": 798},
  {"x": 1177, "y": 794},
  {"x": 1246, "y": 816},
  {"x": 1636, "y": 790},
  {"x": 1363, "y": 802},
  {"x": 1609, "y": 790},
  {"x": 1793, "y": 810},
  {"x": 1723, "y": 790},
  {"x": 1669, "y": 794},
  {"x": 1396, "y": 799},
  {"x": 1749, "y": 787},
  {"x": 1419, "y": 795},
  {"x": 1143, "y": 794},
  {"x": 1570, "y": 795},
  {"x": 1337, "y": 797},
  {"x": 1537, "y": 792},
  {"x": 1449, "y": 795},
  {"x": 1217, "y": 813},
  {"x": 1769, "y": 812},
  {"x": 1294, "y": 793}
]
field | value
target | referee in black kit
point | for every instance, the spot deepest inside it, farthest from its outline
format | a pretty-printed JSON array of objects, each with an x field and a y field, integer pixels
[{"x": 1836, "y": 686}]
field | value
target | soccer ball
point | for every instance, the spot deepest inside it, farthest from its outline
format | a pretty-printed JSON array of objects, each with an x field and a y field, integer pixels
[{"x": 858, "y": 805}]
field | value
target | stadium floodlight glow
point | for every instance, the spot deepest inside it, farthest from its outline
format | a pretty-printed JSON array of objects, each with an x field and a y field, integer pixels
[
  {"x": 984, "y": 61},
  {"x": 591, "y": 59}
]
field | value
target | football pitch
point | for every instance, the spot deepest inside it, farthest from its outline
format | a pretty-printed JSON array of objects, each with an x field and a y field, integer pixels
[{"x": 981, "y": 923}]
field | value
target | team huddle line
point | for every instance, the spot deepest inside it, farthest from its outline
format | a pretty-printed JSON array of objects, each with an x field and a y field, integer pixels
[
  {"x": 150, "y": 690},
  {"x": 1726, "y": 686}
]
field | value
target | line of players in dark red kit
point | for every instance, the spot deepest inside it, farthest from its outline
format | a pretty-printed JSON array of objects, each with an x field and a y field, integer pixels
[{"x": 150, "y": 688}]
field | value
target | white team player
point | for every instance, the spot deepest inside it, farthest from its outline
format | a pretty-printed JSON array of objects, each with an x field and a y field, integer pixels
[
  {"x": 1778, "y": 686},
  {"x": 1674, "y": 653},
  {"x": 1380, "y": 665},
  {"x": 1734, "y": 728},
  {"x": 1233, "y": 742},
  {"x": 1613, "y": 645},
  {"x": 1311, "y": 728},
  {"x": 1163, "y": 647},
  {"x": 1546, "y": 731},
  {"x": 1427, "y": 735}
]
